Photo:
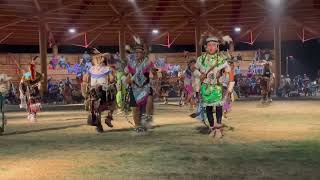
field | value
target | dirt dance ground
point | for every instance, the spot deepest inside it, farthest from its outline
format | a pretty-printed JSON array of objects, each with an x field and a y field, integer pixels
[{"x": 277, "y": 141}]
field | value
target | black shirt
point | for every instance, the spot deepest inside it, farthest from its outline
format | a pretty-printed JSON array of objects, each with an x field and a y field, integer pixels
[{"x": 267, "y": 73}]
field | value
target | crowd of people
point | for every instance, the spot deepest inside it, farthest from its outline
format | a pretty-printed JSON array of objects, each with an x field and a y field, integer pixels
[
  {"x": 297, "y": 86},
  {"x": 58, "y": 92},
  {"x": 63, "y": 91}
]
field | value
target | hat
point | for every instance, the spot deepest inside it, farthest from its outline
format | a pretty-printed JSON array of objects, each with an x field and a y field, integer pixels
[
  {"x": 138, "y": 46},
  {"x": 138, "y": 43},
  {"x": 192, "y": 60},
  {"x": 212, "y": 39}
]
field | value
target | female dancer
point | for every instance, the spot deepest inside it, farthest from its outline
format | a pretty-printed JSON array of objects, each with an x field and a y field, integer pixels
[
  {"x": 30, "y": 91},
  {"x": 100, "y": 91}
]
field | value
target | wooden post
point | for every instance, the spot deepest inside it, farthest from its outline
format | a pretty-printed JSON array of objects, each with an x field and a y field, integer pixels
[
  {"x": 231, "y": 47},
  {"x": 277, "y": 52},
  {"x": 55, "y": 50},
  {"x": 122, "y": 42},
  {"x": 43, "y": 56},
  {"x": 197, "y": 38}
]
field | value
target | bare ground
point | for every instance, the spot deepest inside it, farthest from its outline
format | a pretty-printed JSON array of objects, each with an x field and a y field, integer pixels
[{"x": 277, "y": 141}]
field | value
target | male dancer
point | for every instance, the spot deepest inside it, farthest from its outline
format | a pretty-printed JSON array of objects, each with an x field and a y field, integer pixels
[
  {"x": 210, "y": 65},
  {"x": 266, "y": 82},
  {"x": 138, "y": 70}
]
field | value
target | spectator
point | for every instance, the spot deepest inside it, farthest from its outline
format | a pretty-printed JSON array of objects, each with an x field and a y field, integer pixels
[
  {"x": 68, "y": 82},
  {"x": 239, "y": 57},
  {"x": 287, "y": 85},
  {"x": 250, "y": 74},
  {"x": 305, "y": 78},
  {"x": 288, "y": 80},
  {"x": 244, "y": 86},
  {"x": 267, "y": 55},
  {"x": 253, "y": 85},
  {"x": 257, "y": 56},
  {"x": 318, "y": 77},
  {"x": 237, "y": 72},
  {"x": 62, "y": 62}
]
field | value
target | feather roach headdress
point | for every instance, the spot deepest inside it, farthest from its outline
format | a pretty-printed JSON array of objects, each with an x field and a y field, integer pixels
[{"x": 208, "y": 37}]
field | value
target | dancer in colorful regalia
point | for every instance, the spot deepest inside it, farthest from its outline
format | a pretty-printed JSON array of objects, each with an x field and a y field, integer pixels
[
  {"x": 138, "y": 72},
  {"x": 4, "y": 91},
  {"x": 29, "y": 88},
  {"x": 188, "y": 81},
  {"x": 4, "y": 84},
  {"x": 195, "y": 80},
  {"x": 121, "y": 89},
  {"x": 227, "y": 81},
  {"x": 266, "y": 83},
  {"x": 210, "y": 65},
  {"x": 99, "y": 89}
]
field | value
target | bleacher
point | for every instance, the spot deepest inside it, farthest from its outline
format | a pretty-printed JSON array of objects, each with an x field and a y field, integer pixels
[{"x": 8, "y": 66}]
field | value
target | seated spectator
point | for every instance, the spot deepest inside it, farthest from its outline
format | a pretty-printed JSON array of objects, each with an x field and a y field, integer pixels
[{"x": 239, "y": 57}]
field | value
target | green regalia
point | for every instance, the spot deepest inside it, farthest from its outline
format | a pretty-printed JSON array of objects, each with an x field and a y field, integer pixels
[
  {"x": 121, "y": 90},
  {"x": 210, "y": 90}
]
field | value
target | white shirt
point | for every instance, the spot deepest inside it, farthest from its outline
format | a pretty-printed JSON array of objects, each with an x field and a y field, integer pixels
[
  {"x": 288, "y": 80},
  {"x": 237, "y": 70},
  {"x": 99, "y": 75}
]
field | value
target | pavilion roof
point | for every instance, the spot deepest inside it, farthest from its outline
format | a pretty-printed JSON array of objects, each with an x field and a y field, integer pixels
[{"x": 98, "y": 21}]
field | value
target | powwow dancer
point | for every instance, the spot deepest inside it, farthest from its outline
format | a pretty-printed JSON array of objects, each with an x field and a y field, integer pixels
[
  {"x": 138, "y": 72},
  {"x": 210, "y": 65},
  {"x": 187, "y": 81},
  {"x": 29, "y": 88},
  {"x": 266, "y": 83},
  {"x": 4, "y": 90},
  {"x": 195, "y": 80},
  {"x": 181, "y": 88},
  {"x": 164, "y": 86},
  {"x": 226, "y": 79},
  {"x": 4, "y": 84},
  {"x": 99, "y": 90},
  {"x": 121, "y": 89}
]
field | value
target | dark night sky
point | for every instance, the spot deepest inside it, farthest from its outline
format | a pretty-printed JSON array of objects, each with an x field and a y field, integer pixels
[{"x": 306, "y": 55}]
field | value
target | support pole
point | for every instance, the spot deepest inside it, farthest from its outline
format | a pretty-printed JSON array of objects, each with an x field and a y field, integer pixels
[
  {"x": 55, "y": 51},
  {"x": 277, "y": 51},
  {"x": 197, "y": 38},
  {"x": 231, "y": 47},
  {"x": 122, "y": 42},
  {"x": 43, "y": 56},
  {"x": 287, "y": 65}
]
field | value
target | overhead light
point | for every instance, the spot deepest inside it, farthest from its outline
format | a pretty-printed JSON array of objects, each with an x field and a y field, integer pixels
[
  {"x": 237, "y": 29},
  {"x": 275, "y": 3},
  {"x": 131, "y": 1},
  {"x": 155, "y": 31},
  {"x": 72, "y": 30}
]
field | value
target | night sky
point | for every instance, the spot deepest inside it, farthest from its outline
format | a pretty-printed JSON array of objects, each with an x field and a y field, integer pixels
[{"x": 306, "y": 56}]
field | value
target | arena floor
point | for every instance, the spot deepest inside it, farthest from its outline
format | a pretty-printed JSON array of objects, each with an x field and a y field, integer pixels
[{"x": 276, "y": 141}]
